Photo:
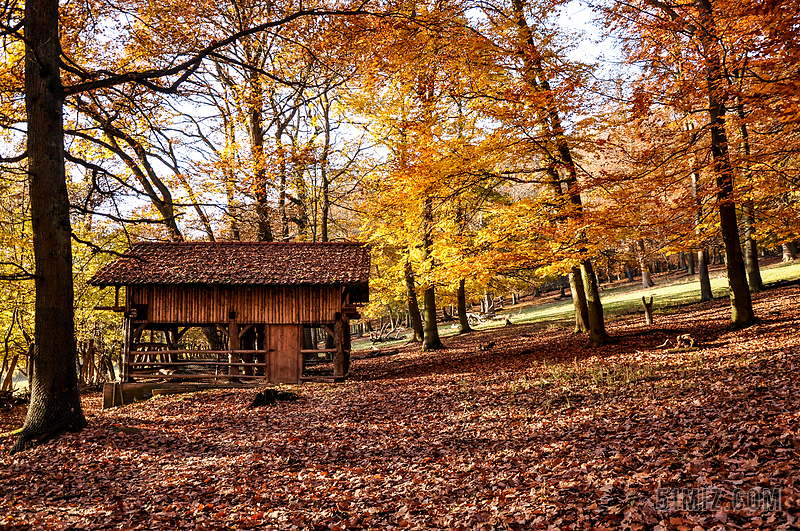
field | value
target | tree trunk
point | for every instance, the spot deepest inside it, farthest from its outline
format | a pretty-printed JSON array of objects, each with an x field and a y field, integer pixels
[
  {"x": 230, "y": 179},
  {"x": 690, "y": 264},
  {"x": 789, "y": 252},
  {"x": 751, "y": 249},
  {"x": 326, "y": 196},
  {"x": 550, "y": 121},
  {"x": 461, "y": 304},
  {"x": 644, "y": 265},
  {"x": 705, "y": 280},
  {"x": 413, "y": 306},
  {"x": 55, "y": 403},
  {"x": 255, "y": 116},
  {"x": 741, "y": 303},
  {"x": 748, "y": 212},
  {"x": 597, "y": 328},
  {"x": 431, "y": 340},
  {"x": 283, "y": 217},
  {"x": 579, "y": 301}
]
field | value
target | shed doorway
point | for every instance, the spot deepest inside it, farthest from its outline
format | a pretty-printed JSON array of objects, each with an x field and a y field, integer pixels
[{"x": 283, "y": 344}]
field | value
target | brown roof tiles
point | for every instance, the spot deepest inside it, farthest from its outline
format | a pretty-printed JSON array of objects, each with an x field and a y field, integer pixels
[{"x": 238, "y": 263}]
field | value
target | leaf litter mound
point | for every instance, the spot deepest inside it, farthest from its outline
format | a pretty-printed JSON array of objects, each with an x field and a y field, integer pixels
[{"x": 534, "y": 432}]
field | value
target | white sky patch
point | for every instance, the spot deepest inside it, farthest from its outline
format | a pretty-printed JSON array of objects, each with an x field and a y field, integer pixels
[{"x": 577, "y": 16}]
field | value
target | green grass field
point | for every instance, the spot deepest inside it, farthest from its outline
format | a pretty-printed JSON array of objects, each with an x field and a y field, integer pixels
[{"x": 621, "y": 300}]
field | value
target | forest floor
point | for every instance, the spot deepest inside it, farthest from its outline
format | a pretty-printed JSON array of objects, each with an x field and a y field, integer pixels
[{"x": 534, "y": 432}]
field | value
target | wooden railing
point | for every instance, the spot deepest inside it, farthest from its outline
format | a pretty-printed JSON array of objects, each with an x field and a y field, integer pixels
[{"x": 139, "y": 368}]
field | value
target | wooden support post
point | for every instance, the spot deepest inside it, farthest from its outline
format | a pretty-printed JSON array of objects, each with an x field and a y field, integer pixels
[
  {"x": 233, "y": 344},
  {"x": 346, "y": 343},
  {"x": 338, "y": 356},
  {"x": 648, "y": 310},
  {"x": 249, "y": 344},
  {"x": 127, "y": 330}
]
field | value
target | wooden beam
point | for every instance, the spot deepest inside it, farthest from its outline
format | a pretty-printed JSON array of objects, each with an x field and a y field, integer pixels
[
  {"x": 160, "y": 376},
  {"x": 233, "y": 344},
  {"x": 338, "y": 357},
  {"x": 185, "y": 351},
  {"x": 137, "y": 333},
  {"x": 126, "y": 350},
  {"x": 188, "y": 363},
  {"x": 244, "y": 330}
]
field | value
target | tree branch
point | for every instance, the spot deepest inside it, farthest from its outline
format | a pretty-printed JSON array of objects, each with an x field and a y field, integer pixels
[{"x": 187, "y": 67}]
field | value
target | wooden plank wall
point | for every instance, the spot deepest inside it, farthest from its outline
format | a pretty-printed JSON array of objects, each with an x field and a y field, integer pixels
[{"x": 261, "y": 304}]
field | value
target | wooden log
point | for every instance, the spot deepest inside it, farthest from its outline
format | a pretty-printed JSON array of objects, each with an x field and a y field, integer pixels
[{"x": 648, "y": 310}]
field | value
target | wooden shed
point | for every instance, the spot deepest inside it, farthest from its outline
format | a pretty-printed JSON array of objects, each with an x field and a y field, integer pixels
[{"x": 270, "y": 311}]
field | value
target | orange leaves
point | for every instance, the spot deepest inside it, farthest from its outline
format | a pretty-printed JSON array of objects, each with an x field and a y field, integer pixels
[{"x": 534, "y": 433}]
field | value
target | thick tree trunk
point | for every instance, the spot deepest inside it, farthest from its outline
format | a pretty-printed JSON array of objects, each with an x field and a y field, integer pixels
[
  {"x": 418, "y": 332},
  {"x": 55, "y": 396},
  {"x": 579, "y": 301},
  {"x": 741, "y": 304},
  {"x": 461, "y": 306},
  {"x": 597, "y": 328},
  {"x": 690, "y": 264},
  {"x": 431, "y": 340}
]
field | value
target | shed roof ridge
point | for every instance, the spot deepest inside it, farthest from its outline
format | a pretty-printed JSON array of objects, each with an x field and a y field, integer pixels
[{"x": 236, "y": 242}]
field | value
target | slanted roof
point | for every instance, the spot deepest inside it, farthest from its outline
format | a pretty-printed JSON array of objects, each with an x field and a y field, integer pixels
[{"x": 238, "y": 264}]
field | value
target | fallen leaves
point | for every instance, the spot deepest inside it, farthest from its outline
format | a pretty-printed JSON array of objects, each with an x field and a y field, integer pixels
[{"x": 534, "y": 434}]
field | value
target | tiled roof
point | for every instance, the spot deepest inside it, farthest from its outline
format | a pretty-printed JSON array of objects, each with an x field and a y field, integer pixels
[{"x": 238, "y": 263}]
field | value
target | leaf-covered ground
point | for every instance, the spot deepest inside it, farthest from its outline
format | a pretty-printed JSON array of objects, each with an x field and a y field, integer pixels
[{"x": 535, "y": 432}]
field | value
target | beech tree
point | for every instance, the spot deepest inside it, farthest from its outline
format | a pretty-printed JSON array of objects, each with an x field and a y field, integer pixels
[{"x": 709, "y": 57}]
